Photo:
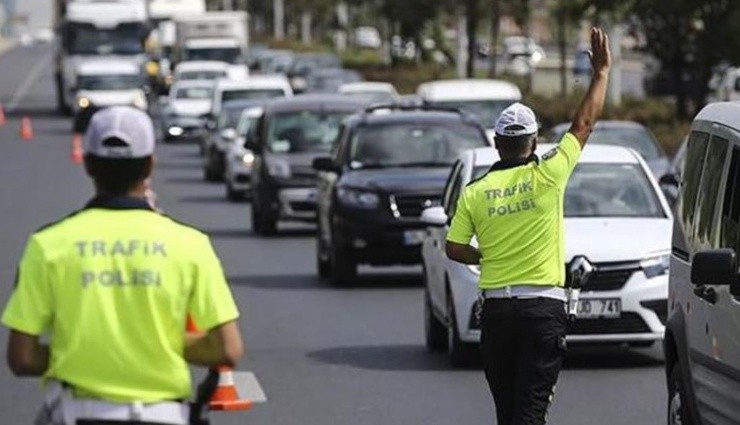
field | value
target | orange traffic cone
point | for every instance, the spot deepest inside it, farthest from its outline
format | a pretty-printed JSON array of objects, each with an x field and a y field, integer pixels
[
  {"x": 226, "y": 397},
  {"x": 26, "y": 128},
  {"x": 76, "y": 155},
  {"x": 3, "y": 119}
]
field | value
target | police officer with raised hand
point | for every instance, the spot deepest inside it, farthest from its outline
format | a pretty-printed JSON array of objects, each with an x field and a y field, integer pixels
[
  {"x": 112, "y": 285},
  {"x": 515, "y": 212}
]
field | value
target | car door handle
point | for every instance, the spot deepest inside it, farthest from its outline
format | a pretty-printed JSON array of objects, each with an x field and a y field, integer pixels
[{"x": 706, "y": 293}]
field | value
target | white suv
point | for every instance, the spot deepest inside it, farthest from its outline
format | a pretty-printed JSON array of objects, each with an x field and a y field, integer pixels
[
  {"x": 702, "y": 339},
  {"x": 615, "y": 215}
]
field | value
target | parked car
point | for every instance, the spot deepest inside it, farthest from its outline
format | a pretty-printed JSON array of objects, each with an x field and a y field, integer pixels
[
  {"x": 371, "y": 91},
  {"x": 628, "y": 134},
  {"x": 183, "y": 117},
  {"x": 329, "y": 80},
  {"x": 484, "y": 99},
  {"x": 290, "y": 134},
  {"x": 222, "y": 135},
  {"x": 239, "y": 159},
  {"x": 388, "y": 165},
  {"x": 702, "y": 349},
  {"x": 107, "y": 82},
  {"x": 615, "y": 215}
]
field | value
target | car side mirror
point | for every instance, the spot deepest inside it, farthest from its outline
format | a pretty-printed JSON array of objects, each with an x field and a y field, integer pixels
[
  {"x": 326, "y": 164},
  {"x": 251, "y": 142},
  {"x": 229, "y": 134},
  {"x": 670, "y": 179},
  {"x": 716, "y": 267},
  {"x": 434, "y": 216}
]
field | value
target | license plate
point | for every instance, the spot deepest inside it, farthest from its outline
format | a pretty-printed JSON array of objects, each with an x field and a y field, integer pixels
[
  {"x": 599, "y": 308},
  {"x": 413, "y": 237}
]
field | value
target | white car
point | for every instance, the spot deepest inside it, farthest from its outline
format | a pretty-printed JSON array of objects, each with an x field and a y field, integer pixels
[
  {"x": 257, "y": 87},
  {"x": 615, "y": 215},
  {"x": 201, "y": 70},
  {"x": 373, "y": 91},
  {"x": 482, "y": 98},
  {"x": 188, "y": 102},
  {"x": 239, "y": 159}
]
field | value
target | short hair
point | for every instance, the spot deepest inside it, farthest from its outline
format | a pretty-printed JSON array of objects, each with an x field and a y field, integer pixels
[
  {"x": 117, "y": 176},
  {"x": 514, "y": 145}
]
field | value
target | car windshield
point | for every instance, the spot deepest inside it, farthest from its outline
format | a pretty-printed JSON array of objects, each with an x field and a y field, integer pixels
[
  {"x": 231, "y": 55},
  {"x": 606, "y": 190},
  {"x": 486, "y": 111},
  {"x": 411, "y": 144},
  {"x": 110, "y": 82},
  {"x": 229, "y": 117},
  {"x": 199, "y": 93},
  {"x": 245, "y": 123},
  {"x": 637, "y": 138},
  {"x": 307, "y": 131},
  {"x": 251, "y": 94},
  {"x": 86, "y": 39},
  {"x": 201, "y": 75},
  {"x": 330, "y": 82}
]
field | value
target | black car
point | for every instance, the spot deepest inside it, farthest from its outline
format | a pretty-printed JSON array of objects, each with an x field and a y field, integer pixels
[
  {"x": 390, "y": 163},
  {"x": 290, "y": 134}
]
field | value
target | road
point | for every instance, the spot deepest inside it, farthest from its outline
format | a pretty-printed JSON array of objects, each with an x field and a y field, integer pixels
[{"x": 324, "y": 355}]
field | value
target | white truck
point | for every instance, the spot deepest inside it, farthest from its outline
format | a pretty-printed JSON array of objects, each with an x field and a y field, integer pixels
[
  {"x": 213, "y": 36},
  {"x": 92, "y": 28}
]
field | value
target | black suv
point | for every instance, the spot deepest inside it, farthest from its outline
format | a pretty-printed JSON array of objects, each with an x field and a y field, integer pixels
[
  {"x": 389, "y": 164},
  {"x": 290, "y": 134}
]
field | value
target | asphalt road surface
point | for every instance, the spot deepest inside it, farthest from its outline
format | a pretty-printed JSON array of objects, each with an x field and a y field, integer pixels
[{"x": 323, "y": 355}]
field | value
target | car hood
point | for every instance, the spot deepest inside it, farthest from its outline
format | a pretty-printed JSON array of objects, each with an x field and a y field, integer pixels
[
  {"x": 300, "y": 163},
  {"x": 616, "y": 239},
  {"x": 190, "y": 107},
  {"x": 413, "y": 179},
  {"x": 111, "y": 97}
]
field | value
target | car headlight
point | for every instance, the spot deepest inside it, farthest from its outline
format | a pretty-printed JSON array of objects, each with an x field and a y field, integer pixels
[
  {"x": 175, "y": 131},
  {"x": 358, "y": 198},
  {"x": 140, "y": 101},
  {"x": 83, "y": 103},
  {"x": 655, "y": 265},
  {"x": 279, "y": 169},
  {"x": 248, "y": 158}
]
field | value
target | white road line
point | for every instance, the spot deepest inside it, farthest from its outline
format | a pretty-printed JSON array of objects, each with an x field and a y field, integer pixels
[{"x": 28, "y": 83}]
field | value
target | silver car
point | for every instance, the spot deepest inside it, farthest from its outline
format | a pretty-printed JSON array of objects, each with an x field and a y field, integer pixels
[
  {"x": 239, "y": 159},
  {"x": 615, "y": 215}
]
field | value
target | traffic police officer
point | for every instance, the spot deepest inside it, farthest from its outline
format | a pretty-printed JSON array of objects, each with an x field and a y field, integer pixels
[
  {"x": 113, "y": 285},
  {"x": 516, "y": 214}
]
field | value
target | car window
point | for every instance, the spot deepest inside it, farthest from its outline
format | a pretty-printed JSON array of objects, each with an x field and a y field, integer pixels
[
  {"x": 251, "y": 94},
  {"x": 110, "y": 82},
  {"x": 411, "y": 144},
  {"x": 486, "y": 111},
  {"x": 201, "y": 75},
  {"x": 696, "y": 150},
  {"x": 305, "y": 131},
  {"x": 229, "y": 117},
  {"x": 731, "y": 206},
  {"x": 451, "y": 180},
  {"x": 637, "y": 138},
  {"x": 709, "y": 188},
  {"x": 200, "y": 93}
]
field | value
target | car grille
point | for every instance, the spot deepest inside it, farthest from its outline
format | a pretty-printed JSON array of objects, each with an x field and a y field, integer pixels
[
  {"x": 411, "y": 206},
  {"x": 303, "y": 206},
  {"x": 628, "y": 323},
  {"x": 610, "y": 276}
]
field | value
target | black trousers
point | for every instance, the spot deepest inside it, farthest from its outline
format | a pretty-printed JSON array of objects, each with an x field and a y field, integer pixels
[{"x": 523, "y": 347}]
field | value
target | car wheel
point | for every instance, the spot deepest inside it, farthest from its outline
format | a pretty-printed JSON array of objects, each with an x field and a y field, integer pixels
[
  {"x": 678, "y": 411},
  {"x": 461, "y": 354},
  {"x": 261, "y": 223},
  {"x": 435, "y": 332},
  {"x": 343, "y": 266}
]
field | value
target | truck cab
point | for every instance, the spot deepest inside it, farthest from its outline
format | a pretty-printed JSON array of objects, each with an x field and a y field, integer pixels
[{"x": 88, "y": 28}]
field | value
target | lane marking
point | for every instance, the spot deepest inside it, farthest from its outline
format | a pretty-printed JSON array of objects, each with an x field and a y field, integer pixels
[{"x": 22, "y": 91}]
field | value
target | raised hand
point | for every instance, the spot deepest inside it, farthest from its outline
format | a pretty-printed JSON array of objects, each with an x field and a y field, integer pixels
[{"x": 600, "y": 55}]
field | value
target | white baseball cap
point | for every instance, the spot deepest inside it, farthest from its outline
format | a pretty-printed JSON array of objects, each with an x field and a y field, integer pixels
[
  {"x": 516, "y": 120},
  {"x": 120, "y": 132}
]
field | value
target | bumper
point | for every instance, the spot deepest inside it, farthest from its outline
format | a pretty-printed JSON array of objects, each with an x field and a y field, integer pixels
[
  {"x": 378, "y": 241},
  {"x": 238, "y": 175},
  {"x": 642, "y": 320},
  {"x": 297, "y": 204},
  {"x": 183, "y": 129}
]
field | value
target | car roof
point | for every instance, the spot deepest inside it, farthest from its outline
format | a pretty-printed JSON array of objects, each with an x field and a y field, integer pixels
[
  {"x": 205, "y": 43},
  {"x": 108, "y": 67},
  {"x": 725, "y": 113},
  {"x": 468, "y": 89},
  {"x": 367, "y": 86},
  {"x": 314, "y": 102},
  {"x": 390, "y": 116},
  {"x": 260, "y": 81},
  {"x": 601, "y": 124},
  {"x": 594, "y": 154},
  {"x": 201, "y": 66}
]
